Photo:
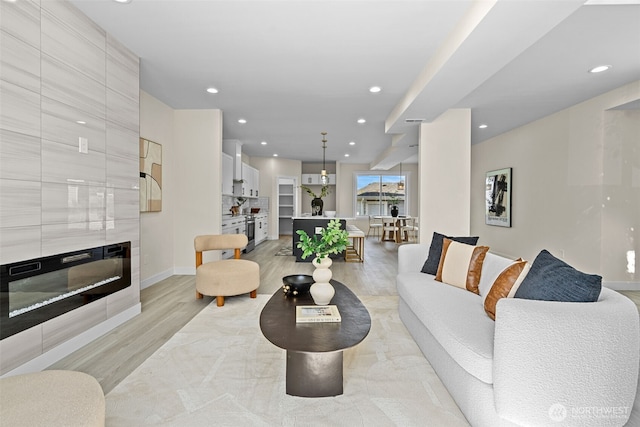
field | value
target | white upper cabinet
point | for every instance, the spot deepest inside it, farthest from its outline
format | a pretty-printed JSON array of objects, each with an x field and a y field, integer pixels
[
  {"x": 227, "y": 175},
  {"x": 250, "y": 185}
]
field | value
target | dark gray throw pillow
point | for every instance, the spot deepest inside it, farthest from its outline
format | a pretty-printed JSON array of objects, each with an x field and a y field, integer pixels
[
  {"x": 435, "y": 250},
  {"x": 551, "y": 279}
]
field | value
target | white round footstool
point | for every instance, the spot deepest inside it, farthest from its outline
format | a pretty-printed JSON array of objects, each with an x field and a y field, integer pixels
[{"x": 51, "y": 398}]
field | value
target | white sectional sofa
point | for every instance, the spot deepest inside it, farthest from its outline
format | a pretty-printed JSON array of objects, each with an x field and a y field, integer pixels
[{"x": 539, "y": 363}]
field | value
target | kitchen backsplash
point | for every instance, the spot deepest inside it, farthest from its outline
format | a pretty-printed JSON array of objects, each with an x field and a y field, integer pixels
[{"x": 260, "y": 202}]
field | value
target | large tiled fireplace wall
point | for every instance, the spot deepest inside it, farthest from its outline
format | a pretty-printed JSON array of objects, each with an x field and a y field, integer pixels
[{"x": 69, "y": 160}]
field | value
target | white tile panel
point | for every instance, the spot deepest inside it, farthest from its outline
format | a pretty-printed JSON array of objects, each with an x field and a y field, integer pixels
[
  {"x": 19, "y": 62},
  {"x": 70, "y": 324},
  {"x": 125, "y": 230},
  {"x": 65, "y": 164},
  {"x": 76, "y": 21},
  {"x": 123, "y": 70},
  {"x": 72, "y": 203},
  {"x": 69, "y": 86},
  {"x": 122, "y": 142},
  {"x": 19, "y": 109},
  {"x": 122, "y": 204},
  {"x": 20, "y": 204},
  {"x": 123, "y": 111},
  {"x": 123, "y": 172},
  {"x": 22, "y": 20},
  {"x": 20, "y": 348},
  {"x": 59, "y": 238},
  {"x": 67, "y": 45},
  {"x": 19, "y": 244},
  {"x": 60, "y": 124},
  {"x": 19, "y": 156}
]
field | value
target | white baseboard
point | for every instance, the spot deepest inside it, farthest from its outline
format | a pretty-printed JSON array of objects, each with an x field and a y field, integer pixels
[
  {"x": 622, "y": 286},
  {"x": 61, "y": 351},
  {"x": 184, "y": 271},
  {"x": 155, "y": 278}
]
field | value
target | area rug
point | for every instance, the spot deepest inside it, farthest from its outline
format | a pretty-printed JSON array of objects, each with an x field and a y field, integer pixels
[
  {"x": 220, "y": 370},
  {"x": 285, "y": 251}
]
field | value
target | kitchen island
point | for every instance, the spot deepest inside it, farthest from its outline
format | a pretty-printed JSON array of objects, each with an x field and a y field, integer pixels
[{"x": 312, "y": 225}]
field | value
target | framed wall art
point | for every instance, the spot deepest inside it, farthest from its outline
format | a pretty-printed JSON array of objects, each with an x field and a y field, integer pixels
[
  {"x": 498, "y": 197},
  {"x": 150, "y": 176}
]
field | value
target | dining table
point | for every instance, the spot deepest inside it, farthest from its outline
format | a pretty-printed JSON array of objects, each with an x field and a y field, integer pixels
[{"x": 393, "y": 228}]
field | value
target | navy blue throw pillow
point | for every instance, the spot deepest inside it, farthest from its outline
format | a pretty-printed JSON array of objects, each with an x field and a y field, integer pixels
[
  {"x": 435, "y": 250},
  {"x": 551, "y": 279}
]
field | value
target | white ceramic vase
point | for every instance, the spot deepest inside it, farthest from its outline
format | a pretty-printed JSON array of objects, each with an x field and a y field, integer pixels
[{"x": 321, "y": 290}]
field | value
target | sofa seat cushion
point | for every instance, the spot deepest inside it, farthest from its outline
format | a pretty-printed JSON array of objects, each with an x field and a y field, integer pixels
[{"x": 456, "y": 319}]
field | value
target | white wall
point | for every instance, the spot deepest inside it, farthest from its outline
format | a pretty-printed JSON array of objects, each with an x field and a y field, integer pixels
[
  {"x": 445, "y": 156},
  {"x": 198, "y": 174},
  {"x": 156, "y": 248},
  {"x": 576, "y": 186}
]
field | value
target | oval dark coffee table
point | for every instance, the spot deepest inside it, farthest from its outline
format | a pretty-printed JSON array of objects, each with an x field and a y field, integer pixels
[{"x": 314, "y": 350}]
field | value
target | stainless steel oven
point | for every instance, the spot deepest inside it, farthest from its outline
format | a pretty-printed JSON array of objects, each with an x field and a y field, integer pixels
[{"x": 250, "y": 231}]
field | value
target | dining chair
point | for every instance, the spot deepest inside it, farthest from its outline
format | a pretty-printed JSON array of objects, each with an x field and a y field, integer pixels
[
  {"x": 390, "y": 230},
  {"x": 411, "y": 230},
  {"x": 375, "y": 224}
]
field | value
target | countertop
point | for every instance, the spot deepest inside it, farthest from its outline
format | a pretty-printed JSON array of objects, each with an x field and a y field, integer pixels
[{"x": 346, "y": 218}]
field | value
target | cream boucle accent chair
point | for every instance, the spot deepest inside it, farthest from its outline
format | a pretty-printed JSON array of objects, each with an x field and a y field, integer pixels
[
  {"x": 228, "y": 276},
  {"x": 52, "y": 399}
]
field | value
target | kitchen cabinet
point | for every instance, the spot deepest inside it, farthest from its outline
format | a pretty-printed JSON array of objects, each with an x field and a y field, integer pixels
[
  {"x": 262, "y": 228},
  {"x": 227, "y": 175},
  {"x": 249, "y": 187}
]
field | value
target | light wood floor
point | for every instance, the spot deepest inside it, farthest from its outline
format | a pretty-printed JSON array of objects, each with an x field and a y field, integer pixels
[{"x": 170, "y": 304}]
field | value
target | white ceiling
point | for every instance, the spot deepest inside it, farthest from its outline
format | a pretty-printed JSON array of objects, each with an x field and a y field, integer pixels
[{"x": 295, "y": 68}]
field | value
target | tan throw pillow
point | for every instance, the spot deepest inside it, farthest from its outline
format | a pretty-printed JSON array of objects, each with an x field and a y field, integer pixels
[
  {"x": 461, "y": 265},
  {"x": 505, "y": 285}
]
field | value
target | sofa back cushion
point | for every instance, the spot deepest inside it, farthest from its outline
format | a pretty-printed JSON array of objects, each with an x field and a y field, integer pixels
[
  {"x": 435, "y": 250},
  {"x": 461, "y": 265}
]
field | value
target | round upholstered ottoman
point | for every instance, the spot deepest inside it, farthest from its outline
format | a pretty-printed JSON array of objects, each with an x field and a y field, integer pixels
[
  {"x": 228, "y": 277},
  {"x": 52, "y": 399}
]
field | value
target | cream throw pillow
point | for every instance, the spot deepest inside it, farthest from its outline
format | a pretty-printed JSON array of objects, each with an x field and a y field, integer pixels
[{"x": 461, "y": 265}]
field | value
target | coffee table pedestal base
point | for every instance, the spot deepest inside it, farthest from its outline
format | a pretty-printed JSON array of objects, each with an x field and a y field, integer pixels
[{"x": 314, "y": 374}]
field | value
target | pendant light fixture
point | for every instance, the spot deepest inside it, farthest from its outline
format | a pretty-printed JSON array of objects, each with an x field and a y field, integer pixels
[
  {"x": 401, "y": 183},
  {"x": 324, "y": 178}
]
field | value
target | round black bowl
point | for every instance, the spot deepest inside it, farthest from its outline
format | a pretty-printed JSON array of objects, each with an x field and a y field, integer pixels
[{"x": 296, "y": 284}]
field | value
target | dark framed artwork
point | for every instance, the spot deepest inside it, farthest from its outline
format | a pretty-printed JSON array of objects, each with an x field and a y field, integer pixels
[{"x": 498, "y": 197}]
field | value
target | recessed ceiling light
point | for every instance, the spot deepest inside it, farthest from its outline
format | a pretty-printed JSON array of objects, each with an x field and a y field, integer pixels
[
  {"x": 483, "y": 126},
  {"x": 242, "y": 121},
  {"x": 375, "y": 89},
  {"x": 264, "y": 143},
  {"x": 275, "y": 155},
  {"x": 362, "y": 121},
  {"x": 352, "y": 143},
  {"x": 346, "y": 155},
  {"x": 600, "y": 68},
  {"x": 212, "y": 90},
  {"x": 81, "y": 122},
  {"x": 122, "y": 1}
]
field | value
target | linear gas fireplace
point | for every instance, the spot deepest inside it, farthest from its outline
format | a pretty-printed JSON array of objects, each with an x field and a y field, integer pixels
[{"x": 34, "y": 291}]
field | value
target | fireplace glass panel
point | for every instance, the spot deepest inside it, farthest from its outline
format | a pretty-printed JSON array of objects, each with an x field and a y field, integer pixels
[{"x": 37, "y": 290}]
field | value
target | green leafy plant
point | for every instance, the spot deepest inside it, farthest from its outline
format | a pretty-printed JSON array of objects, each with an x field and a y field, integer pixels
[
  {"x": 325, "y": 191},
  {"x": 241, "y": 200},
  {"x": 394, "y": 199},
  {"x": 332, "y": 240}
]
